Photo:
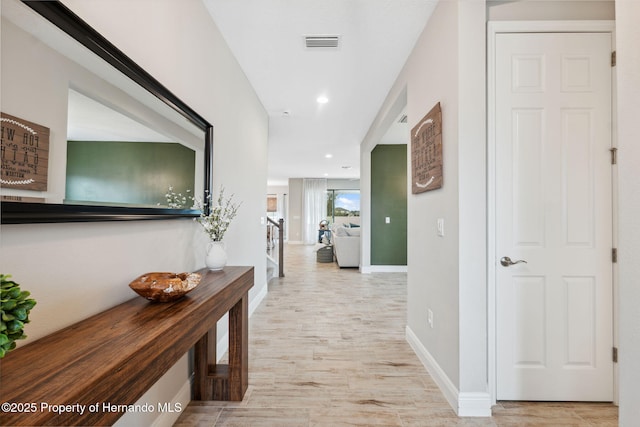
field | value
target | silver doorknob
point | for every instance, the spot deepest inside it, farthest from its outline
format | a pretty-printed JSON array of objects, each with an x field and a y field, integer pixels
[{"x": 506, "y": 261}]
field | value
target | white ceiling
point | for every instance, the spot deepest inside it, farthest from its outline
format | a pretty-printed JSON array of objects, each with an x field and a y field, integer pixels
[
  {"x": 90, "y": 120},
  {"x": 267, "y": 38}
]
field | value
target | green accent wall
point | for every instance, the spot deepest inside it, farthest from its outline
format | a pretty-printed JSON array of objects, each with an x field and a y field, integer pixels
[
  {"x": 389, "y": 199},
  {"x": 138, "y": 173}
]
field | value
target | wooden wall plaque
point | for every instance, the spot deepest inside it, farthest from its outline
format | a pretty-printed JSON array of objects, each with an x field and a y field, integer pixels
[
  {"x": 426, "y": 152},
  {"x": 25, "y": 154}
]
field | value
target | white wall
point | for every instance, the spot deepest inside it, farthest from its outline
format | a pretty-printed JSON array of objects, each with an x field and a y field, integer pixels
[
  {"x": 428, "y": 77},
  {"x": 76, "y": 270},
  {"x": 550, "y": 10},
  {"x": 343, "y": 184},
  {"x": 433, "y": 261},
  {"x": 472, "y": 205},
  {"x": 628, "y": 77},
  {"x": 448, "y": 275}
]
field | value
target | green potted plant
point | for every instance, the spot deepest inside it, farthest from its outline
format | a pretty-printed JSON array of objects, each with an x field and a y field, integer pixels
[{"x": 14, "y": 312}]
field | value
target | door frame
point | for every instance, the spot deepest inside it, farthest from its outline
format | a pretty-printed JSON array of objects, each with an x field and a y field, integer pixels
[{"x": 493, "y": 29}]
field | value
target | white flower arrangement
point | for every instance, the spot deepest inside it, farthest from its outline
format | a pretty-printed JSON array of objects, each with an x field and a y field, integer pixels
[
  {"x": 216, "y": 223},
  {"x": 220, "y": 215},
  {"x": 177, "y": 200}
]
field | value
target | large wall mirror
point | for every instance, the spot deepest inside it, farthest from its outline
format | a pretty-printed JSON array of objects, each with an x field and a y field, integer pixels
[{"x": 88, "y": 135}]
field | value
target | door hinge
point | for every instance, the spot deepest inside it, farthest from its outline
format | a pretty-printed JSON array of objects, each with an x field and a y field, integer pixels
[
  {"x": 614, "y": 354},
  {"x": 614, "y": 255},
  {"x": 614, "y": 155},
  {"x": 613, "y": 58}
]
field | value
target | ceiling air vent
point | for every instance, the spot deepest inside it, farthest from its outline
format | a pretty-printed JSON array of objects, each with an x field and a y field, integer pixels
[{"x": 326, "y": 42}]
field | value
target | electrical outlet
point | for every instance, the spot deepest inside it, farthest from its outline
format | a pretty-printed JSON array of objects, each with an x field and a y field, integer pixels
[
  {"x": 430, "y": 318},
  {"x": 387, "y": 220}
]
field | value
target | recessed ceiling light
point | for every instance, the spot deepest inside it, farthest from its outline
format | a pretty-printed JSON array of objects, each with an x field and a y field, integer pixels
[
  {"x": 326, "y": 174},
  {"x": 328, "y": 156},
  {"x": 322, "y": 99}
]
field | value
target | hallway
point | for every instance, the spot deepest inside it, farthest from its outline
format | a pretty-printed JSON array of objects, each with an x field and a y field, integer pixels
[{"x": 327, "y": 348}]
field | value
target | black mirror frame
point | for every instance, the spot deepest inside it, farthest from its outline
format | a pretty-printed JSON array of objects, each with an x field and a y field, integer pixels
[{"x": 30, "y": 213}]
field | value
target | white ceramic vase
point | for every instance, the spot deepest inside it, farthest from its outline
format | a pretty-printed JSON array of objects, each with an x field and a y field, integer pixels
[{"x": 216, "y": 256}]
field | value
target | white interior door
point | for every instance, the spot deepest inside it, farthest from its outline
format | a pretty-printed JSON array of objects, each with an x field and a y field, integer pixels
[{"x": 554, "y": 211}]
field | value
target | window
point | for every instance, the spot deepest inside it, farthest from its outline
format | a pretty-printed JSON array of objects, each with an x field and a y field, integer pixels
[{"x": 343, "y": 206}]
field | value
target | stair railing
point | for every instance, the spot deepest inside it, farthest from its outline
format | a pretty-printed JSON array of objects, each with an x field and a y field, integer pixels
[{"x": 280, "y": 226}]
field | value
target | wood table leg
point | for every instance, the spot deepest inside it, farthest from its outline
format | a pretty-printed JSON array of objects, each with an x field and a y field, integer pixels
[
  {"x": 224, "y": 382},
  {"x": 204, "y": 355},
  {"x": 239, "y": 349}
]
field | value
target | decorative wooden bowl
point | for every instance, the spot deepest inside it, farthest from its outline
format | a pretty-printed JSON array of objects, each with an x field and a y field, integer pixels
[{"x": 165, "y": 287}]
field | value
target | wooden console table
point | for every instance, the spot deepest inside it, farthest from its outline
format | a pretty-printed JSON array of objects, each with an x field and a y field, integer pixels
[{"x": 111, "y": 359}]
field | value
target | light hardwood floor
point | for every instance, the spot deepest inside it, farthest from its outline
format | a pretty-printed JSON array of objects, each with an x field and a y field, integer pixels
[{"x": 327, "y": 348}]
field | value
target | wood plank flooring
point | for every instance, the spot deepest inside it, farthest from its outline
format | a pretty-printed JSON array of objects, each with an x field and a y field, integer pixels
[{"x": 327, "y": 348}]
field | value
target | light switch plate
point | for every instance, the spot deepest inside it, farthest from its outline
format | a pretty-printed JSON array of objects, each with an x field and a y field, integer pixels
[{"x": 440, "y": 223}]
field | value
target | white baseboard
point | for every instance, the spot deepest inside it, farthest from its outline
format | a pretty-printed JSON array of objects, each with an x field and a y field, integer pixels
[
  {"x": 474, "y": 404},
  {"x": 448, "y": 389},
  {"x": 257, "y": 300},
  {"x": 179, "y": 401},
  {"x": 464, "y": 404},
  {"x": 368, "y": 269}
]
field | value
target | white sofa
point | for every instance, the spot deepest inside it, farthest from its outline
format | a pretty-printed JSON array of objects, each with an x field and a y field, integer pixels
[{"x": 346, "y": 245}]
